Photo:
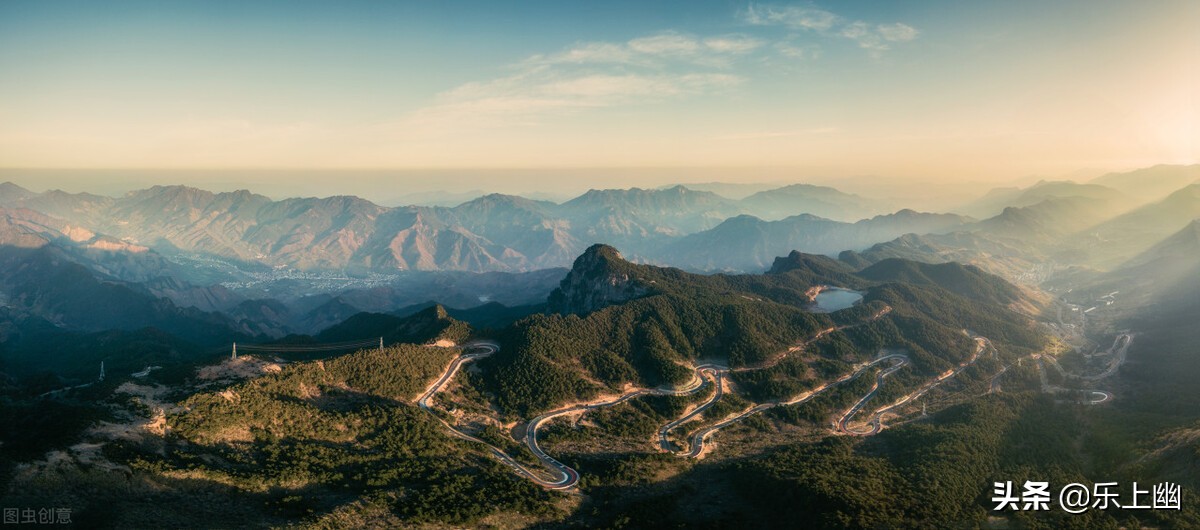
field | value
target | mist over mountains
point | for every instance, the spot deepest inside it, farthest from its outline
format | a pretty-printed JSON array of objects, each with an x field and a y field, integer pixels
[
  {"x": 491, "y": 233},
  {"x": 673, "y": 226}
]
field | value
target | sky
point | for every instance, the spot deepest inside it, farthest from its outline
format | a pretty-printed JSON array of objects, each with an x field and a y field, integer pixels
[{"x": 714, "y": 90}]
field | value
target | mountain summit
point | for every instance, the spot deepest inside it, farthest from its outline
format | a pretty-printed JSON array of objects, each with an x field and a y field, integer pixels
[{"x": 599, "y": 278}]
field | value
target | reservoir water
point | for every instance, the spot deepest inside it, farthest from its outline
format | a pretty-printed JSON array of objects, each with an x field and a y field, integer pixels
[{"x": 835, "y": 299}]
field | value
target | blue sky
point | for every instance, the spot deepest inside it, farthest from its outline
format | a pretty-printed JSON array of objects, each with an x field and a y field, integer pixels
[{"x": 931, "y": 89}]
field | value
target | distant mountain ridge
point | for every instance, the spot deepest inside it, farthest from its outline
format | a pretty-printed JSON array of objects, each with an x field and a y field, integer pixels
[
  {"x": 46, "y": 283},
  {"x": 747, "y": 243},
  {"x": 1089, "y": 224},
  {"x": 1112, "y": 242},
  {"x": 1075, "y": 229},
  {"x": 1167, "y": 274},
  {"x": 1152, "y": 183},
  {"x": 999, "y": 199},
  {"x": 821, "y": 201},
  {"x": 490, "y": 233}
]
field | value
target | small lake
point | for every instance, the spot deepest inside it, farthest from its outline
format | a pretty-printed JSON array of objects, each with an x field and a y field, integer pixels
[{"x": 831, "y": 300}]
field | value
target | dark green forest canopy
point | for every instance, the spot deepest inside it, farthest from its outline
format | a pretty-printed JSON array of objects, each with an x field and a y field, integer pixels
[
  {"x": 548, "y": 359},
  {"x": 740, "y": 320},
  {"x": 344, "y": 428}
]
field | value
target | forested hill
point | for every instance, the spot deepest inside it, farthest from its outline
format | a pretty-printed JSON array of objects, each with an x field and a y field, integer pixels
[
  {"x": 426, "y": 326},
  {"x": 815, "y": 268},
  {"x": 613, "y": 323},
  {"x": 964, "y": 280}
]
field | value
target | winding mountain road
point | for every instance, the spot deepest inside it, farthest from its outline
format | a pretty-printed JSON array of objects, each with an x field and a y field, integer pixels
[
  {"x": 699, "y": 437},
  {"x": 566, "y": 477},
  {"x": 842, "y": 423},
  {"x": 704, "y": 374},
  {"x": 563, "y": 477},
  {"x": 875, "y": 422},
  {"x": 717, "y": 373},
  {"x": 1118, "y": 351}
]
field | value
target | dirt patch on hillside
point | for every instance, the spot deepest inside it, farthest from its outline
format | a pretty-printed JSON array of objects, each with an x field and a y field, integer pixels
[{"x": 240, "y": 368}]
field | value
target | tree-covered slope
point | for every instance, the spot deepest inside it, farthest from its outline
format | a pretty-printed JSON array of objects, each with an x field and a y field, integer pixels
[
  {"x": 964, "y": 280},
  {"x": 621, "y": 323},
  {"x": 428, "y": 325},
  {"x": 336, "y": 443}
]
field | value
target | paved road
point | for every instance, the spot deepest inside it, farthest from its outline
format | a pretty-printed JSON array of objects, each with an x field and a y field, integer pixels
[
  {"x": 994, "y": 386},
  {"x": 853, "y": 410},
  {"x": 699, "y": 437},
  {"x": 1118, "y": 350},
  {"x": 696, "y": 442},
  {"x": 488, "y": 348},
  {"x": 703, "y": 374},
  {"x": 717, "y": 375},
  {"x": 566, "y": 478},
  {"x": 875, "y": 422}
]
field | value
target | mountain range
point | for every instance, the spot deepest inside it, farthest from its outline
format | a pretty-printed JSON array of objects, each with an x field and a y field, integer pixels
[
  {"x": 490, "y": 233},
  {"x": 673, "y": 226},
  {"x": 273, "y": 268}
]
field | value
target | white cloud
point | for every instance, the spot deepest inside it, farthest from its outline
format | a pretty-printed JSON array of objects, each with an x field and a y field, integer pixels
[
  {"x": 897, "y": 32},
  {"x": 875, "y": 38},
  {"x": 795, "y": 17},
  {"x": 862, "y": 33},
  {"x": 530, "y": 97},
  {"x": 606, "y": 86},
  {"x": 736, "y": 44},
  {"x": 586, "y": 53},
  {"x": 643, "y": 70},
  {"x": 665, "y": 44},
  {"x": 793, "y": 51},
  {"x": 657, "y": 50},
  {"x": 878, "y": 38},
  {"x": 588, "y": 75}
]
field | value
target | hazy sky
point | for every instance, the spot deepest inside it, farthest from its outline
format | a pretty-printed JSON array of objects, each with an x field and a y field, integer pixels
[{"x": 979, "y": 90}]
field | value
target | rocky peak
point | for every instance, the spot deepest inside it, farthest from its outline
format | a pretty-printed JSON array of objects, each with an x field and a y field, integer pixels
[{"x": 599, "y": 278}]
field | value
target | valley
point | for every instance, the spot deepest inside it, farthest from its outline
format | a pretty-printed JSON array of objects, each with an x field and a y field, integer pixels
[{"x": 606, "y": 387}]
